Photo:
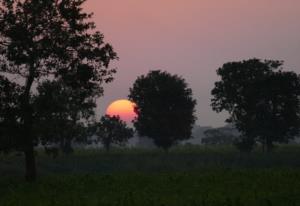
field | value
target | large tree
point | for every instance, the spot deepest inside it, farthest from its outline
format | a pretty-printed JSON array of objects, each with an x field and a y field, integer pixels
[
  {"x": 165, "y": 108},
  {"x": 50, "y": 39},
  {"x": 262, "y": 100}
]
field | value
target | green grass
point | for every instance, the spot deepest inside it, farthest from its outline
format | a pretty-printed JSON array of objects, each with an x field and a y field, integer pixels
[
  {"x": 184, "y": 176},
  {"x": 215, "y": 187}
]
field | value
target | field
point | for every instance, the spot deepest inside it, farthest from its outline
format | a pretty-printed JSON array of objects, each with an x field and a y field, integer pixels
[{"x": 184, "y": 176}]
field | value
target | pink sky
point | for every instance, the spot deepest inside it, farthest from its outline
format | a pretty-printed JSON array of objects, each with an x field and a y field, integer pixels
[{"x": 193, "y": 38}]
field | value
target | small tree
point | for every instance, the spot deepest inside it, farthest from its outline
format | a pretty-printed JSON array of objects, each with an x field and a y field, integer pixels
[
  {"x": 62, "y": 113},
  {"x": 112, "y": 130},
  {"x": 262, "y": 100},
  {"x": 165, "y": 108}
]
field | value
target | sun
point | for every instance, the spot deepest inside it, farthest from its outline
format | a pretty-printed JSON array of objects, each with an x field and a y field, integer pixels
[{"x": 122, "y": 108}]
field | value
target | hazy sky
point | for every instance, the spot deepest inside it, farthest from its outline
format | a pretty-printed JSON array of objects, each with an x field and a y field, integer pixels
[{"x": 193, "y": 38}]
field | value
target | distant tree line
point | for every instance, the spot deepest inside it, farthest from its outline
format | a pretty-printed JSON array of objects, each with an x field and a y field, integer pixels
[
  {"x": 53, "y": 65},
  {"x": 219, "y": 136},
  {"x": 262, "y": 100}
]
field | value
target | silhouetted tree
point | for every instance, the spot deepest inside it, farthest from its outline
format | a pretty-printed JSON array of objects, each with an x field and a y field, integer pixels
[
  {"x": 112, "y": 130},
  {"x": 50, "y": 39},
  {"x": 9, "y": 114},
  {"x": 262, "y": 100},
  {"x": 165, "y": 108},
  {"x": 62, "y": 113}
]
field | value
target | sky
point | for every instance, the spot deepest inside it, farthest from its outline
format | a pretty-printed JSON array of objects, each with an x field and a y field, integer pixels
[{"x": 193, "y": 38}]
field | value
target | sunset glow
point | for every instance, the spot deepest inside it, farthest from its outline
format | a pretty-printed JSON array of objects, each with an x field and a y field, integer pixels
[
  {"x": 123, "y": 108},
  {"x": 193, "y": 38}
]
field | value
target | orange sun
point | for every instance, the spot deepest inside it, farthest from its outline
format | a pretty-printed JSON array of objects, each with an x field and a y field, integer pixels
[{"x": 122, "y": 108}]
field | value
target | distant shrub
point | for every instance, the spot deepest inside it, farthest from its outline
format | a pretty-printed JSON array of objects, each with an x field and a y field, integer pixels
[{"x": 244, "y": 144}]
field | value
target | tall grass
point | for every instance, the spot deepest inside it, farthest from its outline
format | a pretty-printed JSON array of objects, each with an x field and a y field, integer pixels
[
  {"x": 189, "y": 175},
  {"x": 210, "y": 187}
]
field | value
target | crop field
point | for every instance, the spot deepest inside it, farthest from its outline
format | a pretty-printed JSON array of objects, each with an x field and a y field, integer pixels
[{"x": 184, "y": 176}]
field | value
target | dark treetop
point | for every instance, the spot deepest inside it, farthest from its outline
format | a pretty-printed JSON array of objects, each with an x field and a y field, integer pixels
[
  {"x": 112, "y": 130},
  {"x": 262, "y": 100},
  {"x": 165, "y": 108}
]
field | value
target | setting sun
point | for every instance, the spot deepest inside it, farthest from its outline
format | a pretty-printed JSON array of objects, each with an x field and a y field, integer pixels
[{"x": 123, "y": 108}]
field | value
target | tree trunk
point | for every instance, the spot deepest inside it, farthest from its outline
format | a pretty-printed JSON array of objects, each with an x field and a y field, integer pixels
[
  {"x": 30, "y": 165},
  {"x": 68, "y": 146},
  {"x": 30, "y": 174},
  {"x": 264, "y": 145},
  {"x": 269, "y": 145},
  {"x": 107, "y": 146}
]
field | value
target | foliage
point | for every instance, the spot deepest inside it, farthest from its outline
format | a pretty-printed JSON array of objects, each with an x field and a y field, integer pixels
[
  {"x": 165, "y": 108},
  {"x": 208, "y": 188},
  {"x": 50, "y": 39},
  {"x": 60, "y": 112},
  {"x": 9, "y": 114},
  {"x": 262, "y": 100},
  {"x": 112, "y": 130}
]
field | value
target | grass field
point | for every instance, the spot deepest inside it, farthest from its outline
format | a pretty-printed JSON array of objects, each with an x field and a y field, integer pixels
[{"x": 184, "y": 176}]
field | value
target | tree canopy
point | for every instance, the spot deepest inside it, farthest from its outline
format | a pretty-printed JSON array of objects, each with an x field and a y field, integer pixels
[
  {"x": 50, "y": 39},
  {"x": 62, "y": 114},
  {"x": 261, "y": 98},
  {"x": 112, "y": 130},
  {"x": 165, "y": 108}
]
